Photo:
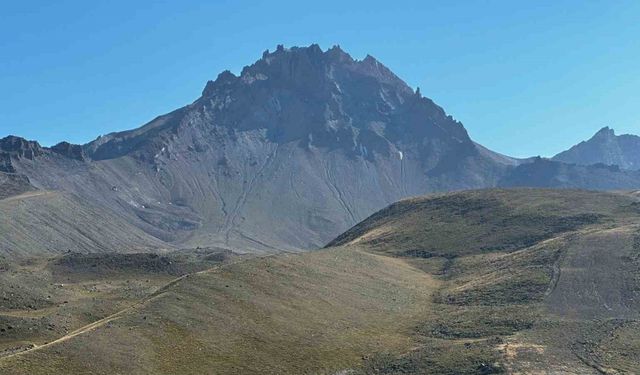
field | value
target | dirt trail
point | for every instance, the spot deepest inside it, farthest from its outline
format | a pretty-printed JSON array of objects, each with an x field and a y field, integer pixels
[
  {"x": 117, "y": 315},
  {"x": 26, "y": 195},
  {"x": 87, "y": 328}
]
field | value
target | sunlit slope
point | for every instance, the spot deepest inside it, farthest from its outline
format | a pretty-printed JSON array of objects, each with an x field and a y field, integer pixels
[
  {"x": 312, "y": 313},
  {"x": 480, "y": 221},
  {"x": 491, "y": 281},
  {"x": 535, "y": 280}
]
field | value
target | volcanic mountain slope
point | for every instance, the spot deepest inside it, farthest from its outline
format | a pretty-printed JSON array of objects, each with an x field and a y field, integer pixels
[
  {"x": 605, "y": 147},
  {"x": 300, "y": 146},
  {"x": 313, "y": 141},
  {"x": 491, "y": 281}
]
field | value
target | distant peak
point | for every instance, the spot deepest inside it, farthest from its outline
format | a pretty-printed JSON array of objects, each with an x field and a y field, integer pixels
[
  {"x": 605, "y": 132},
  {"x": 226, "y": 76}
]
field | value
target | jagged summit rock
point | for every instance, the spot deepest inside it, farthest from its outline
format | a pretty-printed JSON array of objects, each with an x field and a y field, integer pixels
[
  {"x": 319, "y": 99},
  {"x": 605, "y": 147},
  {"x": 69, "y": 150},
  {"x": 605, "y": 132},
  {"x": 20, "y": 147},
  {"x": 12, "y": 147}
]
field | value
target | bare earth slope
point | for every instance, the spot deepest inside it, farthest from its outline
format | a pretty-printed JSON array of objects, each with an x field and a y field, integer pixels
[
  {"x": 40, "y": 222},
  {"x": 477, "y": 282}
]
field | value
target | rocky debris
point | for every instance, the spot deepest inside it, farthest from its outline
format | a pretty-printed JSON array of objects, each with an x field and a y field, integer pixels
[
  {"x": 175, "y": 263},
  {"x": 16, "y": 349}
]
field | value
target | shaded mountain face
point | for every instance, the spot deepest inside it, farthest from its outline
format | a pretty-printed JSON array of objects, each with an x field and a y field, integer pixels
[
  {"x": 605, "y": 147},
  {"x": 299, "y": 147}
]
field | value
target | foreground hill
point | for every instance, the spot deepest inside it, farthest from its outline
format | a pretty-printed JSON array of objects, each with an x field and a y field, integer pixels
[{"x": 474, "y": 282}]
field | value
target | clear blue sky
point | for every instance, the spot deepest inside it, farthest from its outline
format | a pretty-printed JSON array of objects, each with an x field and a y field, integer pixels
[{"x": 525, "y": 77}]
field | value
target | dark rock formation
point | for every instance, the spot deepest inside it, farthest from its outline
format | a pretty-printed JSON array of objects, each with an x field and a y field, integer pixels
[
  {"x": 20, "y": 147},
  {"x": 69, "y": 150}
]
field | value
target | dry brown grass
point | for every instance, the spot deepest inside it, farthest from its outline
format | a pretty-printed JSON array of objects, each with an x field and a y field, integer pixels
[{"x": 313, "y": 313}]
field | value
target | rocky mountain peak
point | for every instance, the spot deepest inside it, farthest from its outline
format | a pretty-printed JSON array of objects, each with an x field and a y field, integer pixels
[
  {"x": 20, "y": 147},
  {"x": 314, "y": 98},
  {"x": 69, "y": 150},
  {"x": 607, "y": 148},
  {"x": 604, "y": 133},
  {"x": 311, "y": 139},
  {"x": 306, "y": 66}
]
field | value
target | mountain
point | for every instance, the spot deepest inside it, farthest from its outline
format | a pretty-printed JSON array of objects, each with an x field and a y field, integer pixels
[
  {"x": 298, "y": 147},
  {"x": 475, "y": 282},
  {"x": 605, "y": 147},
  {"x": 553, "y": 174},
  {"x": 309, "y": 140}
]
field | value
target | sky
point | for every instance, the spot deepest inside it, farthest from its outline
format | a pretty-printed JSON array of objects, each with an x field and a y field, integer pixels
[{"x": 526, "y": 78}]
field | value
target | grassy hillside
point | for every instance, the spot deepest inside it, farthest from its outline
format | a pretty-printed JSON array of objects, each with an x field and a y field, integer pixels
[
  {"x": 478, "y": 221},
  {"x": 537, "y": 280},
  {"x": 44, "y": 299},
  {"x": 312, "y": 313},
  {"x": 479, "y": 282}
]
